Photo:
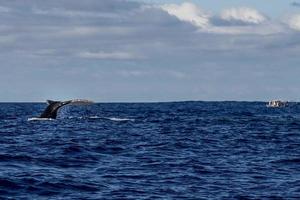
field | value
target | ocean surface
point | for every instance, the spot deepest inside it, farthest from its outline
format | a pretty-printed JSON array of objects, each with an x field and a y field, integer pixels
[{"x": 184, "y": 150}]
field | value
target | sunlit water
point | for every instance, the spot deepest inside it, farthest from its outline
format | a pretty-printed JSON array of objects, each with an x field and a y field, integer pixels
[{"x": 189, "y": 150}]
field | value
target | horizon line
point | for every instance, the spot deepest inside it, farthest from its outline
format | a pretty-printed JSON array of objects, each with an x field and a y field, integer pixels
[{"x": 145, "y": 102}]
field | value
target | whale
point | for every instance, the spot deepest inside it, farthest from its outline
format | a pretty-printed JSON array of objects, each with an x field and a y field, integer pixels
[{"x": 53, "y": 106}]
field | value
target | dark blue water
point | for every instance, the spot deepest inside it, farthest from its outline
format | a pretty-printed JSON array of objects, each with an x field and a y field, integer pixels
[{"x": 189, "y": 150}]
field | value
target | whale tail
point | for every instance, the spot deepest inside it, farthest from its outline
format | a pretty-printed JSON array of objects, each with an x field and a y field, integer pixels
[
  {"x": 53, "y": 106},
  {"x": 49, "y": 102}
]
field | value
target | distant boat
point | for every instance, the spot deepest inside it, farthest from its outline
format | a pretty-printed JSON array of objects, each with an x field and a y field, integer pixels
[{"x": 277, "y": 104}]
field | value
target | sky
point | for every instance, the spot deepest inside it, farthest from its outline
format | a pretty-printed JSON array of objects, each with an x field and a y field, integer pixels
[{"x": 149, "y": 50}]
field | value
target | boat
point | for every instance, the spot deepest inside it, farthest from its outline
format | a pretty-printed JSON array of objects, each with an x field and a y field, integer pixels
[{"x": 277, "y": 104}]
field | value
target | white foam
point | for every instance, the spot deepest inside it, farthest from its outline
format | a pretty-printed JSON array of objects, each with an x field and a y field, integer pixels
[
  {"x": 91, "y": 117},
  {"x": 39, "y": 119},
  {"x": 120, "y": 119},
  {"x": 72, "y": 117},
  {"x": 112, "y": 118},
  {"x": 95, "y": 117}
]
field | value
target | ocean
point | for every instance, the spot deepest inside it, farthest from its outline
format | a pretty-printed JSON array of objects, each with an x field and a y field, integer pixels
[{"x": 181, "y": 150}]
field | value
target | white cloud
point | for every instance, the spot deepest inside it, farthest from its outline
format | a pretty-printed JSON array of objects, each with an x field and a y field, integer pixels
[
  {"x": 243, "y": 14},
  {"x": 294, "y": 22},
  {"x": 240, "y": 20},
  {"x": 265, "y": 29},
  {"x": 188, "y": 12},
  {"x": 79, "y": 31},
  {"x": 7, "y": 39},
  {"x": 108, "y": 55},
  {"x": 73, "y": 13},
  {"x": 4, "y": 9},
  {"x": 132, "y": 73},
  {"x": 177, "y": 74}
]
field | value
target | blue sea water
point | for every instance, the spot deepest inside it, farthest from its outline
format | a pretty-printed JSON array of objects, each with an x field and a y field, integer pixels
[{"x": 185, "y": 150}]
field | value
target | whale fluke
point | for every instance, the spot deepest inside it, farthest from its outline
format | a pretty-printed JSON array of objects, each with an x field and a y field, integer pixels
[
  {"x": 51, "y": 102},
  {"x": 53, "y": 106}
]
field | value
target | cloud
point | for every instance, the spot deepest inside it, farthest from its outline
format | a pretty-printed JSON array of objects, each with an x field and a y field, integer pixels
[
  {"x": 242, "y": 29},
  {"x": 295, "y": 3},
  {"x": 240, "y": 20},
  {"x": 242, "y": 15},
  {"x": 72, "y": 13},
  {"x": 78, "y": 31},
  {"x": 134, "y": 51},
  {"x": 108, "y": 55},
  {"x": 177, "y": 74},
  {"x": 132, "y": 73},
  {"x": 114, "y": 6},
  {"x": 294, "y": 22},
  {"x": 188, "y": 12},
  {"x": 4, "y": 9},
  {"x": 7, "y": 39}
]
